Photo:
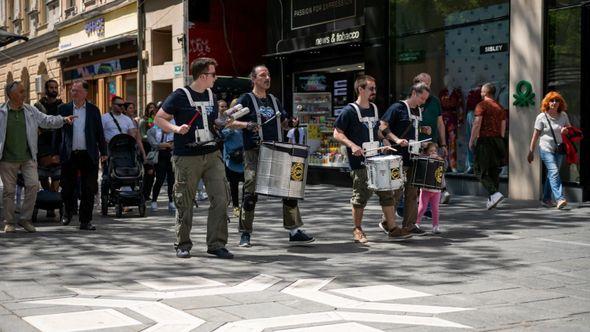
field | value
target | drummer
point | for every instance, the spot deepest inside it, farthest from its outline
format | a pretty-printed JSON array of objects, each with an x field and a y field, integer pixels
[
  {"x": 357, "y": 128},
  {"x": 265, "y": 122},
  {"x": 400, "y": 125}
]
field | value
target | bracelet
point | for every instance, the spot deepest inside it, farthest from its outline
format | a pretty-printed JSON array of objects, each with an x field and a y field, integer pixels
[{"x": 443, "y": 146}]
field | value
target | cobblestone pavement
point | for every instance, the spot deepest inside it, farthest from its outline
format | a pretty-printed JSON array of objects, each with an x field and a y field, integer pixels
[{"x": 520, "y": 267}]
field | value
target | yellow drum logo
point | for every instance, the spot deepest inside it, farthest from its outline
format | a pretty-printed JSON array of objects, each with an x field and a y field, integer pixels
[
  {"x": 438, "y": 175},
  {"x": 395, "y": 175},
  {"x": 297, "y": 170}
]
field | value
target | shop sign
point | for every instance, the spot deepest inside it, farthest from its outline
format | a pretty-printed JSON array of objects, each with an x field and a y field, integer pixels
[
  {"x": 495, "y": 48},
  {"x": 306, "y": 13},
  {"x": 177, "y": 71},
  {"x": 95, "y": 26},
  {"x": 338, "y": 37},
  {"x": 411, "y": 56}
]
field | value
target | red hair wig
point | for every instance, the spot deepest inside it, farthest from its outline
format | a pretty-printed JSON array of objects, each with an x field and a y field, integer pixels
[{"x": 550, "y": 96}]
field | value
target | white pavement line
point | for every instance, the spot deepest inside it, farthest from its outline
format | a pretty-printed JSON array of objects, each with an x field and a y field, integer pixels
[
  {"x": 256, "y": 284},
  {"x": 309, "y": 289},
  {"x": 166, "y": 317},
  {"x": 81, "y": 321},
  {"x": 379, "y": 293},
  {"x": 565, "y": 242},
  {"x": 260, "y": 324},
  {"x": 344, "y": 327},
  {"x": 176, "y": 283}
]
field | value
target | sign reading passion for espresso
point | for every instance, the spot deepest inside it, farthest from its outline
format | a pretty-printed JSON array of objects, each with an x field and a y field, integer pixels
[{"x": 305, "y": 13}]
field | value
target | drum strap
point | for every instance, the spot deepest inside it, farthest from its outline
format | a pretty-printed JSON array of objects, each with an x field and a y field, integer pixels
[
  {"x": 414, "y": 120},
  {"x": 202, "y": 106},
  {"x": 368, "y": 121},
  {"x": 259, "y": 119}
]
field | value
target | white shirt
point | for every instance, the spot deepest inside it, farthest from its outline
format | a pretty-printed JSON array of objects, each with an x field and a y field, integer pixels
[
  {"x": 291, "y": 136},
  {"x": 110, "y": 128},
  {"x": 79, "y": 136},
  {"x": 546, "y": 141}
]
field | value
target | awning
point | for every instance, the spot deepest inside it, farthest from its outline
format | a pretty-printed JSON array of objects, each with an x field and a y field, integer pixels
[
  {"x": 95, "y": 45},
  {"x": 9, "y": 37}
]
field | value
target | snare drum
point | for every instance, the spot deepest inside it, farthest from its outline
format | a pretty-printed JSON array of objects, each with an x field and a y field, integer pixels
[
  {"x": 427, "y": 173},
  {"x": 282, "y": 170},
  {"x": 385, "y": 172}
]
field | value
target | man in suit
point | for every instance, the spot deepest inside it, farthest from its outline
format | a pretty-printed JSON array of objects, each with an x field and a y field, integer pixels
[{"x": 82, "y": 146}]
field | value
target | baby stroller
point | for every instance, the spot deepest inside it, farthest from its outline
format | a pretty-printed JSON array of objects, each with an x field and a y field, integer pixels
[
  {"x": 46, "y": 200},
  {"x": 123, "y": 186}
]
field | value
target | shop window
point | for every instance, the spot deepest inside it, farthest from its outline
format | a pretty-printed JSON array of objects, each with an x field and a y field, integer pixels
[
  {"x": 161, "y": 46},
  {"x": 564, "y": 68},
  {"x": 462, "y": 45},
  {"x": 130, "y": 89},
  {"x": 161, "y": 90}
]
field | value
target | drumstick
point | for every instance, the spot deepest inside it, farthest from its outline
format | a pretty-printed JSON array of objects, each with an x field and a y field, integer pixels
[
  {"x": 381, "y": 148},
  {"x": 197, "y": 114}
]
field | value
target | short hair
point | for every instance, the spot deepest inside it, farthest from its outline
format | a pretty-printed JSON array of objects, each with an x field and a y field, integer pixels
[
  {"x": 553, "y": 95},
  {"x": 9, "y": 87},
  {"x": 490, "y": 87},
  {"x": 420, "y": 78},
  {"x": 428, "y": 145},
  {"x": 419, "y": 88},
  {"x": 253, "y": 71},
  {"x": 361, "y": 82},
  {"x": 51, "y": 80},
  {"x": 221, "y": 100},
  {"x": 199, "y": 66},
  {"x": 113, "y": 98},
  {"x": 83, "y": 83}
]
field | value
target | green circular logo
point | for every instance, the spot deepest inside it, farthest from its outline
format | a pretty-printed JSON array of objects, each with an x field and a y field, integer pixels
[{"x": 524, "y": 96}]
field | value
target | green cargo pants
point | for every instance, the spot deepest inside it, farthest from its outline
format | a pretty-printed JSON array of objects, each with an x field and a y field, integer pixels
[
  {"x": 188, "y": 170},
  {"x": 291, "y": 214}
]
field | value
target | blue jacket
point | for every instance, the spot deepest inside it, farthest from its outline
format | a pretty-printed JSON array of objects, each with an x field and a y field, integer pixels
[
  {"x": 233, "y": 142},
  {"x": 95, "y": 142}
]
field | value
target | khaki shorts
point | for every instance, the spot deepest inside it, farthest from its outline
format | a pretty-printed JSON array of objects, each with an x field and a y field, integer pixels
[{"x": 361, "y": 192}]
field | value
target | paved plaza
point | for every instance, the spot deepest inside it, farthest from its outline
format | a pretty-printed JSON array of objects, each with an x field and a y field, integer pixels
[{"x": 521, "y": 267}]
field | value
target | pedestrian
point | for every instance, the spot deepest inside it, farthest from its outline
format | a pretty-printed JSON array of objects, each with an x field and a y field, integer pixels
[
  {"x": 265, "y": 122},
  {"x": 487, "y": 141},
  {"x": 163, "y": 143},
  {"x": 129, "y": 110},
  {"x": 233, "y": 156},
  {"x": 196, "y": 156},
  {"x": 430, "y": 197},
  {"x": 296, "y": 135},
  {"x": 400, "y": 125},
  {"x": 49, "y": 167},
  {"x": 82, "y": 147},
  {"x": 145, "y": 124},
  {"x": 18, "y": 152},
  {"x": 357, "y": 125},
  {"x": 550, "y": 124}
]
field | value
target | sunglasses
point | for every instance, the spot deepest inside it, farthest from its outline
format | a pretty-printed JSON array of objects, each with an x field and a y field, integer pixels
[
  {"x": 373, "y": 88},
  {"x": 554, "y": 100},
  {"x": 212, "y": 74},
  {"x": 120, "y": 105}
]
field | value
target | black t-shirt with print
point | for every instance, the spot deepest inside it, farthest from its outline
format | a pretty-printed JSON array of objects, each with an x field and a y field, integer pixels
[
  {"x": 267, "y": 111},
  {"x": 356, "y": 131},
  {"x": 178, "y": 105}
]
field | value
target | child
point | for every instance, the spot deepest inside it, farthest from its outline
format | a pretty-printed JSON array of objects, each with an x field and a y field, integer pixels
[{"x": 427, "y": 195}]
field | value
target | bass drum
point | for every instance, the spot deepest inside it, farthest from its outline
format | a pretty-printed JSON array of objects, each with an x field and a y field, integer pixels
[
  {"x": 427, "y": 173},
  {"x": 282, "y": 170}
]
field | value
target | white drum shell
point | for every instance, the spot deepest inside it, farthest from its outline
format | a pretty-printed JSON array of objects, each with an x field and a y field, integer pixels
[
  {"x": 280, "y": 173},
  {"x": 385, "y": 173}
]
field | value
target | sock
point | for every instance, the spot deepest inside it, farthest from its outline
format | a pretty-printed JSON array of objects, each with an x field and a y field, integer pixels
[{"x": 293, "y": 231}]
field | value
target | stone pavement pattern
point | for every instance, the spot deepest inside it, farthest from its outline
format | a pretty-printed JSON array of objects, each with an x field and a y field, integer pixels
[{"x": 520, "y": 267}]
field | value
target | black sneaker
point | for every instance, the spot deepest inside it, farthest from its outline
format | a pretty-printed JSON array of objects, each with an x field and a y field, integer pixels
[
  {"x": 300, "y": 237},
  {"x": 245, "y": 240},
  {"x": 221, "y": 253},
  {"x": 183, "y": 253},
  {"x": 417, "y": 230}
]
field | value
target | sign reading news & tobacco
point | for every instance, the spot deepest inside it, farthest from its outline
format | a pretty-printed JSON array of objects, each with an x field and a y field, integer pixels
[
  {"x": 306, "y": 13},
  {"x": 345, "y": 36}
]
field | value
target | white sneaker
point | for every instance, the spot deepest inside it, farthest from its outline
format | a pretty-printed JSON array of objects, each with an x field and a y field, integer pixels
[
  {"x": 445, "y": 198},
  {"x": 435, "y": 229},
  {"x": 494, "y": 200},
  {"x": 154, "y": 206},
  {"x": 171, "y": 207},
  {"x": 202, "y": 196}
]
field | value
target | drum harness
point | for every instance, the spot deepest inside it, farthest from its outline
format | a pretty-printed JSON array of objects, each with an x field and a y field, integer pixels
[
  {"x": 369, "y": 123},
  {"x": 259, "y": 117},
  {"x": 205, "y": 136}
]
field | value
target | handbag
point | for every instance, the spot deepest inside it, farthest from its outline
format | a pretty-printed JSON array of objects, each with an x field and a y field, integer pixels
[
  {"x": 561, "y": 148},
  {"x": 152, "y": 157},
  {"x": 49, "y": 160}
]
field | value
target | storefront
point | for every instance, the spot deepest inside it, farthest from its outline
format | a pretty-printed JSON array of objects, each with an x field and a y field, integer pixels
[
  {"x": 317, "y": 50},
  {"x": 102, "y": 49}
]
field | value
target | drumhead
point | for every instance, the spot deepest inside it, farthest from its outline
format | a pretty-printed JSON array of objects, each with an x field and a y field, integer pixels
[
  {"x": 388, "y": 157},
  {"x": 296, "y": 150}
]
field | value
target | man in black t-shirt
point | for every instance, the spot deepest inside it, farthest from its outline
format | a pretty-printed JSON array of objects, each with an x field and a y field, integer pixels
[
  {"x": 352, "y": 129},
  {"x": 265, "y": 121},
  {"x": 195, "y": 157},
  {"x": 400, "y": 126}
]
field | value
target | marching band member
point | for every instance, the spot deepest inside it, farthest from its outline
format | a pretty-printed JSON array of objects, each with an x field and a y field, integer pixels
[{"x": 357, "y": 128}]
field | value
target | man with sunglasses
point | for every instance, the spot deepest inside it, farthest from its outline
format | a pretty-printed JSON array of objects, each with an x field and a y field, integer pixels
[
  {"x": 196, "y": 156},
  {"x": 18, "y": 152},
  {"x": 266, "y": 121}
]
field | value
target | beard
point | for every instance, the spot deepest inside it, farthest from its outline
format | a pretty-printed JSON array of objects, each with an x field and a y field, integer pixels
[
  {"x": 51, "y": 94},
  {"x": 372, "y": 97}
]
